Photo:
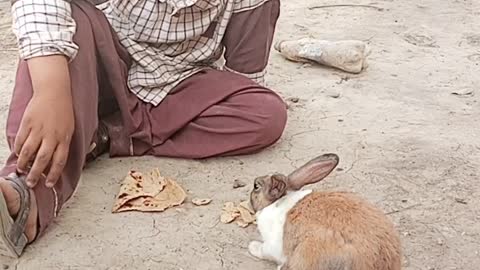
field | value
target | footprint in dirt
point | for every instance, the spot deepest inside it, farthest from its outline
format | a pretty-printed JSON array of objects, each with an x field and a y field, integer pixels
[
  {"x": 420, "y": 36},
  {"x": 294, "y": 102},
  {"x": 474, "y": 58},
  {"x": 473, "y": 40}
]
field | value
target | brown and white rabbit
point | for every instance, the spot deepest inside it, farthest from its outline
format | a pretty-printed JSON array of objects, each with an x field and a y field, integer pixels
[{"x": 313, "y": 230}]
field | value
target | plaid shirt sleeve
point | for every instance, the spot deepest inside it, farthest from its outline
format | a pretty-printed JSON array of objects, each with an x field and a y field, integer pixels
[{"x": 44, "y": 27}]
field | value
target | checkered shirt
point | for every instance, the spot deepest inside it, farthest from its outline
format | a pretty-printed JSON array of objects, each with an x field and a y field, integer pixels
[{"x": 169, "y": 40}]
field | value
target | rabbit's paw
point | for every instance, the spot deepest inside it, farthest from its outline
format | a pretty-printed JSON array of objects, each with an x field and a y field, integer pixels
[{"x": 255, "y": 249}]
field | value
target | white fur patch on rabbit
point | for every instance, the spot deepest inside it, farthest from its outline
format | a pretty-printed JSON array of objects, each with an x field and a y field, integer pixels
[{"x": 271, "y": 224}]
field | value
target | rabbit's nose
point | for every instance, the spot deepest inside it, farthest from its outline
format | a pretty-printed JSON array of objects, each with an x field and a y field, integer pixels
[{"x": 330, "y": 156}]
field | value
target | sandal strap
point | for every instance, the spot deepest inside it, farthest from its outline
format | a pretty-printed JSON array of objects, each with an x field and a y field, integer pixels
[
  {"x": 18, "y": 226},
  {"x": 100, "y": 144}
]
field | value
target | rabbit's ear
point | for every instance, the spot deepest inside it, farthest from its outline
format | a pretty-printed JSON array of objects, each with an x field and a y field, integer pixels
[
  {"x": 275, "y": 187},
  {"x": 313, "y": 171}
]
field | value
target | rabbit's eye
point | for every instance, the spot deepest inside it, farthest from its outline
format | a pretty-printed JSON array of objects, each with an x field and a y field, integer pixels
[{"x": 256, "y": 186}]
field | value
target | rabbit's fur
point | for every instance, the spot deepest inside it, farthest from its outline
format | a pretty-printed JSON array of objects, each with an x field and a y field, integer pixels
[{"x": 312, "y": 230}]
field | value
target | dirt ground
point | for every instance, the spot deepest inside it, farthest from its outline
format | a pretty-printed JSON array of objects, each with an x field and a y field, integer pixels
[{"x": 405, "y": 142}]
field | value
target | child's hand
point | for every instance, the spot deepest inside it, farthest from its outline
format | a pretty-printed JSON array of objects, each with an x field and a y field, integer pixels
[{"x": 48, "y": 122}]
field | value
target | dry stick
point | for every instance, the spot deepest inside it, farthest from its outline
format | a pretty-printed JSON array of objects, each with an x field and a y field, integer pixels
[
  {"x": 403, "y": 209},
  {"x": 346, "y": 5}
]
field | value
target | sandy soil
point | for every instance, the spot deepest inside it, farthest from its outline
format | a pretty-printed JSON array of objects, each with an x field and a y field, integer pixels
[{"x": 406, "y": 143}]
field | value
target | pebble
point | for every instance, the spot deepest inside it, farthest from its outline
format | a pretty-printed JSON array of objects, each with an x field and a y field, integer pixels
[{"x": 238, "y": 184}]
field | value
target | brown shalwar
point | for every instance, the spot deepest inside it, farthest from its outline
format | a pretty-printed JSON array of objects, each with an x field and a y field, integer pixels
[{"x": 212, "y": 113}]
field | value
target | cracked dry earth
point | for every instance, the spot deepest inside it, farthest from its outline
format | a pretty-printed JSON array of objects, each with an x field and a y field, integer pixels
[{"x": 406, "y": 142}]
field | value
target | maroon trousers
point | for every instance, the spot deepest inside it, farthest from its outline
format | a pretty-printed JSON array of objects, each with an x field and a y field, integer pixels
[{"x": 213, "y": 113}]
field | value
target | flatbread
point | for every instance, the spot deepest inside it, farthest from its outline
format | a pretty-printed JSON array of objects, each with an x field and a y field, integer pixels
[
  {"x": 154, "y": 194},
  {"x": 230, "y": 207},
  {"x": 242, "y": 214},
  {"x": 137, "y": 185},
  {"x": 230, "y": 213},
  {"x": 228, "y": 217},
  {"x": 201, "y": 201},
  {"x": 246, "y": 216},
  {"x": 246, "y": 205},
  {"x": 242, "y": 223}
]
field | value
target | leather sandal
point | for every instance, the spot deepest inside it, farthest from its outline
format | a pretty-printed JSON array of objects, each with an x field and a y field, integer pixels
[
  {"x": 100, "y": 144},
  {"x": 12, "y": 230}
]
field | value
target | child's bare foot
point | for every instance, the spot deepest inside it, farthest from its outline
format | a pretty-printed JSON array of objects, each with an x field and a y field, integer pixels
[{"x": 13, "y": 203}]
